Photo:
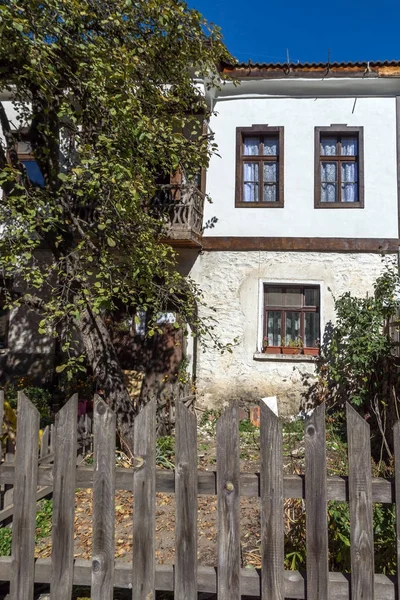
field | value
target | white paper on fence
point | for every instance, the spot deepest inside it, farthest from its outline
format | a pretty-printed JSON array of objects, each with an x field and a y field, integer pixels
[{"x": 272, "y": 403}]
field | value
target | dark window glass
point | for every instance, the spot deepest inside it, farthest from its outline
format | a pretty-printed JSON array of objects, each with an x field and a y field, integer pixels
[{"x": 292, "y": 314}]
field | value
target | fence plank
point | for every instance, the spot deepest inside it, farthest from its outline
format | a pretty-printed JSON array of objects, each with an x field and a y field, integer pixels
[
  {"x": 186, "y": 504},
  {"x": 1, "y": 409},
  {"x": 316, "y": 506},
  {"x": 207, "y": 578},
  {"x": 293, "y": 485},
  {"x": 26, "y": 469},
  {"x": 272, "y": 532},
  {"x": 144, "y": 491},
  {"x": 103, "y": 502},
  {"x": 228, "y": 491},
  {"x": 64, "y": 485},
  {"x": 360, "y": 499},
  {"x": 396, "y": 444}
]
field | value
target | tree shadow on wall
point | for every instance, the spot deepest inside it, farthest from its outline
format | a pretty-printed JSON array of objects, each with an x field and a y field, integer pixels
[{"x": 158, "y": 358}]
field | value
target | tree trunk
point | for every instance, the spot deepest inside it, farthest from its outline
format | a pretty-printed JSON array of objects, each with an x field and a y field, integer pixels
[{"x": 107, "y": 372}]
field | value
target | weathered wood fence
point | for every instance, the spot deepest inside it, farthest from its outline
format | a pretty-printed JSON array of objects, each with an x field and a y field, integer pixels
[{"x": 186, "y": 578}]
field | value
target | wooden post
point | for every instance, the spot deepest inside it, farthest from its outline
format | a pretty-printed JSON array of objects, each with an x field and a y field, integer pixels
[
  {"x": 64, "y": 476},
  {"x": 396, "y": 443},
  {"x": 1, "y": 409},
  {"x": 26, "y": 471},
  {"x": 186, "y": 504},
  {"x": 272, "y": 530},
  {"x": 316, "y": 506},
  {"x": 144, "y": 491},
  {"x": 360, "y": 498},
  {"x": 103, "y": 502},
  {"x": 228, "y": 471}
]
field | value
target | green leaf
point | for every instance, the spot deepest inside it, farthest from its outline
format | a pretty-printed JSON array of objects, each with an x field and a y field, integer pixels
[{"x": 111, "y": 242}]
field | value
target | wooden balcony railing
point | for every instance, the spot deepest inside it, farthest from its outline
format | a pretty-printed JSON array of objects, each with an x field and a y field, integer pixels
[{"x": 182, "y": 206}]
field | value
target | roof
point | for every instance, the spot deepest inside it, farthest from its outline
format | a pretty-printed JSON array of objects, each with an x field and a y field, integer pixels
[{"x": 386, "y": 68}]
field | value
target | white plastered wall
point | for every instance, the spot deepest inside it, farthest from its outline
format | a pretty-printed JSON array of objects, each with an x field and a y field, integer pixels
[
  {"x": 299, "y": 116},
  {"x": 231, "y": 284}
]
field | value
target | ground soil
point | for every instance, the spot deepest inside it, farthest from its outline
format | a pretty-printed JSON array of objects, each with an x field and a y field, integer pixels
[
  {"x": 165, "y": 513},
  {"x": 207, "y": 505}
]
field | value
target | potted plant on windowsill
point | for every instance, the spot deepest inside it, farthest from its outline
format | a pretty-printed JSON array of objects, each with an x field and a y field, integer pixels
[
  {"x": 267, "y": 349},
  {"x": 312, "y": 350},
  {"x": 293, "y": 346}
]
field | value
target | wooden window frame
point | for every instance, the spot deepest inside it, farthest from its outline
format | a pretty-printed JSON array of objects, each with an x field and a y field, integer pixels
[
  {"x": 338, "y": 131},
  {"x": 258, "y": 130},
  {"x": 284, "y": 309}
]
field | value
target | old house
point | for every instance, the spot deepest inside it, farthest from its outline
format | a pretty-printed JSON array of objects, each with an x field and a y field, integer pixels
[{"x": 305, "y": 198}]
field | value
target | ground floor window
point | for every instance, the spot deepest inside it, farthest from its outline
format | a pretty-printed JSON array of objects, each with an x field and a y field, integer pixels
[{"x": 291, "y": 315}]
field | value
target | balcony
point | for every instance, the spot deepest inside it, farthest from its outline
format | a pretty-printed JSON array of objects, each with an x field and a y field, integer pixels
[{"x": 182, "y": 206}]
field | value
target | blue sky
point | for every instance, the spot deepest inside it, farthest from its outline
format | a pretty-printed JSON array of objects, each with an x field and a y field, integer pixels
[{"x": 264, "y": 31}]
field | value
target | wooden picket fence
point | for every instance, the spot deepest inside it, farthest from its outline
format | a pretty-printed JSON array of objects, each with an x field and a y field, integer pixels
[{"x": 228, "y": 580}]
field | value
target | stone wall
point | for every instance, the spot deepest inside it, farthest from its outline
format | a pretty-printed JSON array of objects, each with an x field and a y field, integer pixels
[{"x": 231, "y": 282}]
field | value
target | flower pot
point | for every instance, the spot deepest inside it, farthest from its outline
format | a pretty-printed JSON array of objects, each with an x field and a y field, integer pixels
[
  {"x": 272, "y": 350},
  {"x": 289, "y": 350},
  {"x": 311, "y": 351}
]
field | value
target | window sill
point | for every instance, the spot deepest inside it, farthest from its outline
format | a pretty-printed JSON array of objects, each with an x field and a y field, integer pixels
[
  {"x": 348, "y": 205},
  {"x": 260, "y": 356},
  {"x": 278, "y": 204}
]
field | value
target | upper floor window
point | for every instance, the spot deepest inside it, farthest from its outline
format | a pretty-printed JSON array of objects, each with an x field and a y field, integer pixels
[
  {"x": 339, "y": 169},
  {"x": 259, "y": 166}
]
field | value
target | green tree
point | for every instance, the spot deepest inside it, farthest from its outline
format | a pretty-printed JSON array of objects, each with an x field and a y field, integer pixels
[
  {"x": 359, "y": 360},
  {"x": 106, "y": 95}
]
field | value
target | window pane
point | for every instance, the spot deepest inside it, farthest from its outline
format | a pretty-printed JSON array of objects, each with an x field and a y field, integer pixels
[
  {"x": 250, "y": 192},
  {"x": 311, "y": 329},
  {"x": 328, "y": 146},
  {"x": 274, "y": 296},
  {"x": 292, "y": 326},
  {"x": 349, "y": 147},
  {"x": 349, "y": 192},
  {"x": 328, "y": 172},
  {"x": 349, "y": 172},
  {"x": 251, "y": 146},
  {"x": 328, "y": 192},
  {"x": 269, "y": 192},
  {"x": 311, "y": 297},
  {"x": 250, "y": 171},
  {"x": 24, "y": 147},
  {"x": 271, "y": 146},
  {"x": 293, "y": 297},
  {"x": 274, "y": 328},
  {"x": 270, "y": 172}
]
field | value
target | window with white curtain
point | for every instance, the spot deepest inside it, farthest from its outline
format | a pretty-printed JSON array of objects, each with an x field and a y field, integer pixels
[
  {"x": 259, "y": 166},
  {"x": 339, "y": 168}
]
